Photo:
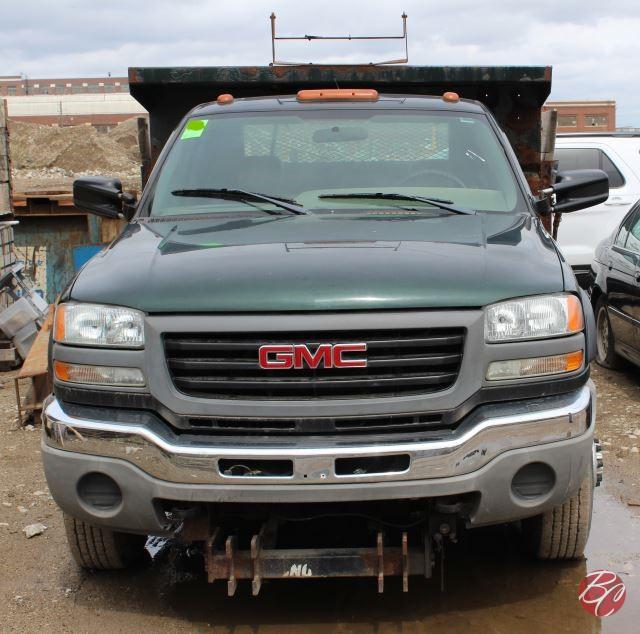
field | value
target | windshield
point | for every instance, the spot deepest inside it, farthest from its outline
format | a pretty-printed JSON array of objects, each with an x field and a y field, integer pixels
[{"x": 308, "y": 156}]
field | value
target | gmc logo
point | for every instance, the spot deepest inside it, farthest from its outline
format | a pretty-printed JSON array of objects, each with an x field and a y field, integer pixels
[{"x": 326, "y": 355}]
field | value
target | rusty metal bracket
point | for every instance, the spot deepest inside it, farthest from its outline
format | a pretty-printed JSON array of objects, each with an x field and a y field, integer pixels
[
  {"x": 405, "y": 562},
  {"x": 309, "y": 38},
  {"x": 230, "y": 549},
  {"x": 256, "y": 583},
  {"x": 210, "y": 548},
  {"x": 265, "y": 539},
  {"x": 380, "y": 549},
  {"x": 264, "y": 561}
]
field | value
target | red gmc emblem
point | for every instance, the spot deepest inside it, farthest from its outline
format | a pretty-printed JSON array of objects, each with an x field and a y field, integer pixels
[{"x": 299, "y": 356}]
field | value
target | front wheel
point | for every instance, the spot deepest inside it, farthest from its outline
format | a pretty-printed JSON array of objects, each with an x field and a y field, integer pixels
[
  {"x": 98, "y": 548},
  {"x": 562, "y": 532},
  {"x": 606, "y": 355}
]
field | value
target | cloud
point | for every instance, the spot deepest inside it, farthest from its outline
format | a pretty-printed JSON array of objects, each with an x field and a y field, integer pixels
[{"x": 593, "y": 47}]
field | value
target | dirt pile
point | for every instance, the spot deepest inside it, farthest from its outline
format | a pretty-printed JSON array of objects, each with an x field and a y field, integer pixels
[
  {"x": 50, "y": 153},
  {"x": 126, "y": 135}
]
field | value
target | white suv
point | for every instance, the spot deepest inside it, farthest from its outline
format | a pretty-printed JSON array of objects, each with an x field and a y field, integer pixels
[{"x": 619, "y": 156}]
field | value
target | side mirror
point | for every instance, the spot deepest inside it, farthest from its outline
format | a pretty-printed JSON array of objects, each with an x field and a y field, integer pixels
[
  {"x": 103, "y": 196},
  {"x": 575, "y": 189}
]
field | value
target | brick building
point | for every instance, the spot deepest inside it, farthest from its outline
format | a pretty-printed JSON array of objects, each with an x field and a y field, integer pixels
[
  {"x": 19, "y": 85},
  {"x": 584, "y": 116}
]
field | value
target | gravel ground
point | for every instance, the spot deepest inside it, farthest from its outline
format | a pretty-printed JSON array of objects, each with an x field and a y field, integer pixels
[
  {"x": 618, "y": 427},
  {"x": 490, "y": 587}
]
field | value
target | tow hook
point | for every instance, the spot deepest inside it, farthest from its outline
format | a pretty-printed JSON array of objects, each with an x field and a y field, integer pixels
[{"x": 598, "y": 462}]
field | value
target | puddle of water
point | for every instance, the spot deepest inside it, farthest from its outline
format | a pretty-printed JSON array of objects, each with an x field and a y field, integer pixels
[
  {"x": 614, "y": 544},
  {"x": 490, "y": 587}
]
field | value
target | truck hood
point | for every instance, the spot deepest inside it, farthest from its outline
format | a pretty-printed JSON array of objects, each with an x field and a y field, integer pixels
[{"x": 321, "y": 262}]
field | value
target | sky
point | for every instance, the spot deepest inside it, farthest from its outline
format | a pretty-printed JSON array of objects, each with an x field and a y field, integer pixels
[{"x": 593, "y": 46}]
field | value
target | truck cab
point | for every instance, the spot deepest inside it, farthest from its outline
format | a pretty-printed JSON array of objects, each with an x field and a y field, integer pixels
[{"x": 333, "y": 305}]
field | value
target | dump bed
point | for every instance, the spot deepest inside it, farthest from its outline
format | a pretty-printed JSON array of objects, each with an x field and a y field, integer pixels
[{"x": 515, "y": 94}]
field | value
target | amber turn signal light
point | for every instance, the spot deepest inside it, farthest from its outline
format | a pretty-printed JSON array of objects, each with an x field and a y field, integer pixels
[
  {"x": 575, "y": 319},
  {"x": 573, "y": 361},
  {"x": 98, "y": 374},
  {"x": 61, "y": 370},
  {"x": 536, "y": 366},
  {"x": 58, "y": 326},
  {"x": 338, "y": 94}
]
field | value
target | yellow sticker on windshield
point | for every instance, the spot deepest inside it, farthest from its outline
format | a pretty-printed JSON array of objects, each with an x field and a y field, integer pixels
[{"x": 194, "y": 129}]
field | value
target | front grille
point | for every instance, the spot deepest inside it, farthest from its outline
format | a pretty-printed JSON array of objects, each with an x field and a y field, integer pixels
[{"x": 225, "y": 365}]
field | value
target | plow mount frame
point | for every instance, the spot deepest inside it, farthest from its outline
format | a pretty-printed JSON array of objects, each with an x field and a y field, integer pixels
[
  {"x": 388, "y": 555},
  {"x": 224, "y": 561}
]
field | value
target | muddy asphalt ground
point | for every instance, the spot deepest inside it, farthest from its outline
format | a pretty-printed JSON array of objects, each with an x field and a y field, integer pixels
[{"x": 490, "y": 586}]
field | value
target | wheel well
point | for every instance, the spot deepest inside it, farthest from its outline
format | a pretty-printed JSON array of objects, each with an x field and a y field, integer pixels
[{"x": 596, "y": 294}]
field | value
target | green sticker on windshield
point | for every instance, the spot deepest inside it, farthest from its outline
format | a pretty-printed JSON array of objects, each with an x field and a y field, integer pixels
[{"x": 194, "y": 129}]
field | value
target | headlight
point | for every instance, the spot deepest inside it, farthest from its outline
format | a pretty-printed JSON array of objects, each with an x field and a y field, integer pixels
[
  {"x": 533, "y": 318},
  {"x": 97, "y": 325}
]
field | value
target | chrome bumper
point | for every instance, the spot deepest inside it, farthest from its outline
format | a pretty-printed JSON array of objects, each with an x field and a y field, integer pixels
[{"x": 160, "y": 453}]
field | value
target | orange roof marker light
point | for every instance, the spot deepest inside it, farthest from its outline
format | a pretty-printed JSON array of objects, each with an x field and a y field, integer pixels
[
  {"x": 338, "y": 94},
  {"x": 224, "y": 99},
  {"x": 451, "y": 97}
]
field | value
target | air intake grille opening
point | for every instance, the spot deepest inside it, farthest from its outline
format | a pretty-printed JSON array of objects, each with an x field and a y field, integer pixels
[
  {"x": 343, "y": 426},
  {"x": 372, "y": 465},
  {"x": 225, "y": 365}
]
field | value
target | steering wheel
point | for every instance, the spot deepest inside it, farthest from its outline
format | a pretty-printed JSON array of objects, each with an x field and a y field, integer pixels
[{"x": 409, "y": 180}]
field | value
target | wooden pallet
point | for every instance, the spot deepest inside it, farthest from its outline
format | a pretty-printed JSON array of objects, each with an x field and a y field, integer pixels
[
  {"x": 8, "y": 357},
  {"x": 44, "y": 203},
  {"x": 36, "y": 368}
]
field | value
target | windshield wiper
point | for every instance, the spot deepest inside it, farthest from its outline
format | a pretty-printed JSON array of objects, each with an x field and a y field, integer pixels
[
  {"x": 436, "y": 202},
  {"x": 242, "y": 195}
]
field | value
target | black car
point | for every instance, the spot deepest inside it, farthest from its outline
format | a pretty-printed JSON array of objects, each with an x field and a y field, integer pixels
[{"x": 615, "y": 293}]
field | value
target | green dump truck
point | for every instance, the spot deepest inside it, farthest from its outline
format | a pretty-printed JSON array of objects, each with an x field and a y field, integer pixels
[{"x": 334, "y": 333}]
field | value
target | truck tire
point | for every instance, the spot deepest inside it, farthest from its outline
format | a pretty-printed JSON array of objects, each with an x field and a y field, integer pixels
[
  {"x": 562, "y": 532},
  {"x": 606, "y": 355},
  {"x": 97, "y": 548}
]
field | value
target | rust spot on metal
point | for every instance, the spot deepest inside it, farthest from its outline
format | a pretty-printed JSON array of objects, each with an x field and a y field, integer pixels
[{"x": 527, "y": 156}]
